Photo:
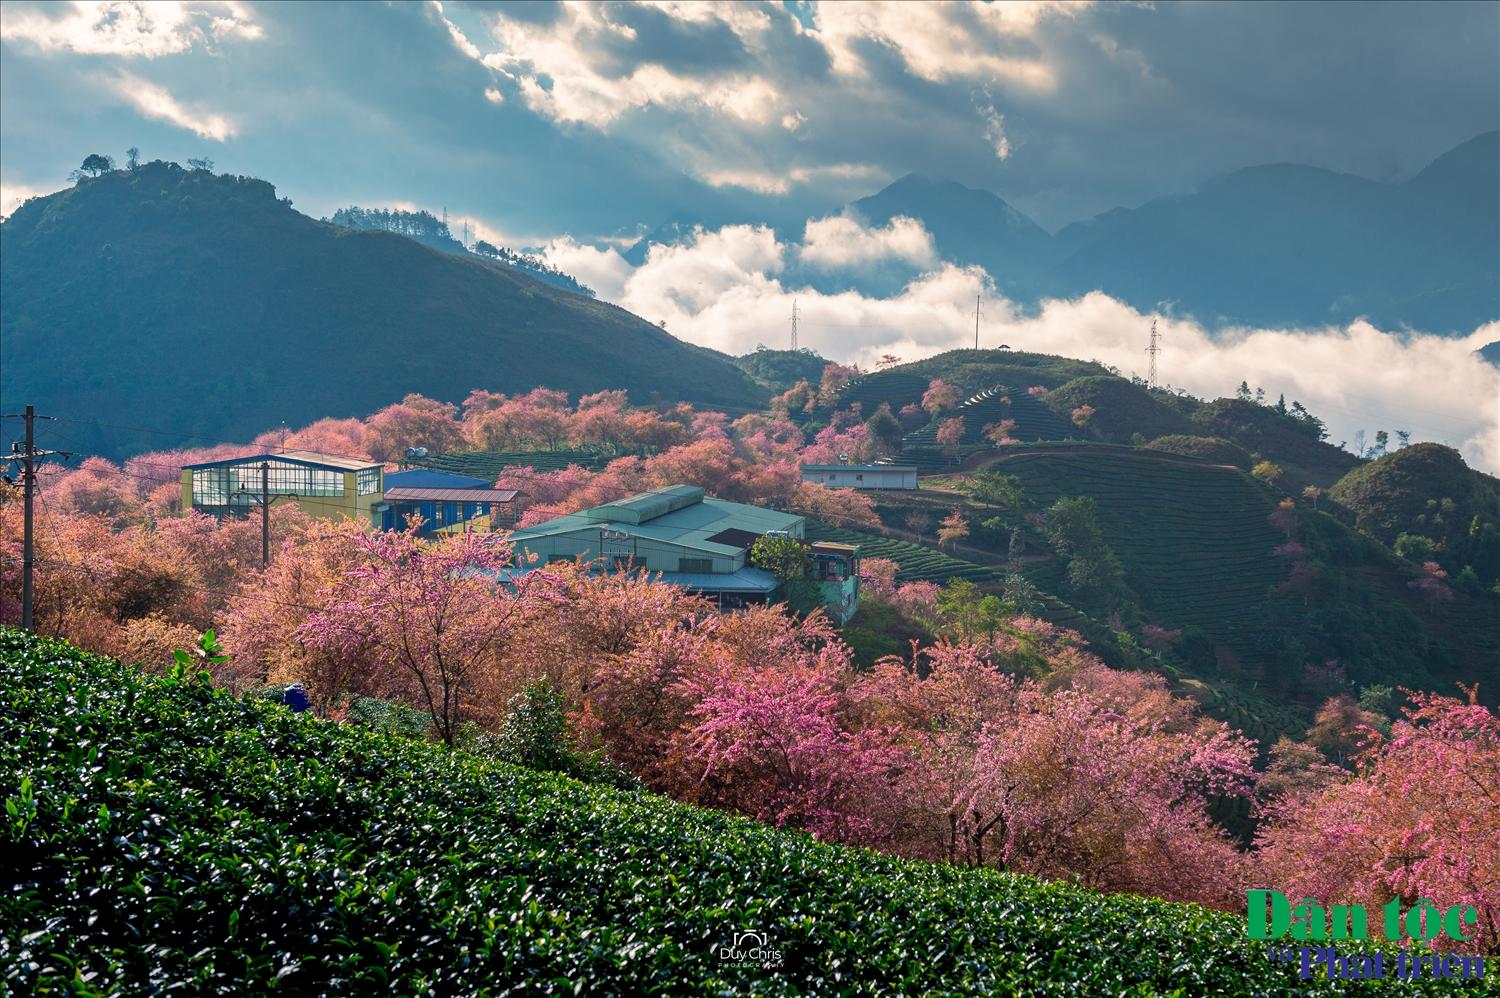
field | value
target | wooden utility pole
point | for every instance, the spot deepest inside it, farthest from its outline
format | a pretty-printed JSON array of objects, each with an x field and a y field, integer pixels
[
  {"x": 265, "y": 513},
  {"x": 28, "y": 455},
  {"x": 266, "y": 499}
]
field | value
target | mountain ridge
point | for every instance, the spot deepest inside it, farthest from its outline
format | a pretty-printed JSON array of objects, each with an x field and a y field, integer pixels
[
  {"x": 175, "y": 297},
  {"x": 1269, "y": 244}
]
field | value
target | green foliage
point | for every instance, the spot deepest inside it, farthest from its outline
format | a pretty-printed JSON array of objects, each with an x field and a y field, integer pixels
[
  {"x": 1214, "y": 449},
  {"x": 992, "y": 488},
  {"x": 789, "y": 560},
  {"x": 1093, "y": 568},
  {"x": 969, "y": 613},
  {"x": 781, "y": 369},
  {"x": 878, "y": 629},
  {"x": 1378, "y": 698},
  {"x": 488, "y": 464},
  {"x": 1294, "y": 444},
  {"x": 1426, "y": 491},
  {"x": 885, "y": 429},
  {"x": 1415, "y": 547},
  {"x": 1267, "y": 472},
  {"x": 167, "y": 837},
  {"x": 1033, "y": 419},
  {"x": 784, "y": 557},
  {"x": 1121, "y": 408},
  {"x": 917, "y": 563},
  {"x": 536, "y": 734},
  {"x": 388, "y": 718},
  {"x": 186, "y": 267}
]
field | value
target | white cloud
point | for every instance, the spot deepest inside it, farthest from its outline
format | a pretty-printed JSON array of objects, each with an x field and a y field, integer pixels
[
  {"x": 780, "y": 180},
  {"x": 994, "y": 125},
  {"x": 12, "y": 196},
  {"x": 493, "y": 96},
  {"x": 602, "y": 269},
  {"x": 724, "y": 289},
  {"x": 154, "y": 101},
  {"x": 565, "y": 71},
  {"x": 941, "y": 41},
  {"x": 840, "y": 242},
  {"x": 133, "y": 29},
  {"x": 460, "y": 40}
]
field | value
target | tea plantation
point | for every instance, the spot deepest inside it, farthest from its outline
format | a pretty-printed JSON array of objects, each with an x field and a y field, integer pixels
[
  {"x": 488, "y": 464},
  {"x": 164, "y": 837},
  {"x": 917, "y": 563}
]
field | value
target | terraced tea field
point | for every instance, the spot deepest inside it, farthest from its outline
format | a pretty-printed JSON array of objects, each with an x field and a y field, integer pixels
[
  {"x": 894, "y": 388},
  {"x": 1034, "y": 419},
  {"x": 488, "y": 464},
  {"x": 918, "y": 563},
  {"x": 1194, "y": 538}
]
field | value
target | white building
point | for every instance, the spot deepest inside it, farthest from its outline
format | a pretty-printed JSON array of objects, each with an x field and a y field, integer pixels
[{"x": 861, "y": 476}]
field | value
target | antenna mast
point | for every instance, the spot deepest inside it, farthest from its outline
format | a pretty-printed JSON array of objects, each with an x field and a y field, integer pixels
[
  {"x": 1152, "y": 351},
  {"x": 794, "y": 323},
  {"x": 976, "y": 321}
]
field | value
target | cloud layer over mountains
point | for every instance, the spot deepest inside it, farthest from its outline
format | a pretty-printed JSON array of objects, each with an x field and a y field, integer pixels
[{"x": 733, "y": 288}]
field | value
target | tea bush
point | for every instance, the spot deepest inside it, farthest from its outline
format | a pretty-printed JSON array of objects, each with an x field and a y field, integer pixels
[{"x": 161, "y": 836}]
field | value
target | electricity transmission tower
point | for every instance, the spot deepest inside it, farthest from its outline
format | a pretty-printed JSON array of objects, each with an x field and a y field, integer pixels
[
  {"x": 28, "y": 456},
  {"x": 1152, "y": 351},
  {"x": 976, "y": 321},
  {"x": 794, "y": 323}
]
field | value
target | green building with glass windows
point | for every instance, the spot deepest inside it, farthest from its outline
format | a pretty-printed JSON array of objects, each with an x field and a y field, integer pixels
[{"x": 323, "y": 485}]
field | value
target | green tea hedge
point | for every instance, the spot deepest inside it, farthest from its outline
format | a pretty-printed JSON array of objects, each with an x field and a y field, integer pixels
[{"x": 163, "y": 837}]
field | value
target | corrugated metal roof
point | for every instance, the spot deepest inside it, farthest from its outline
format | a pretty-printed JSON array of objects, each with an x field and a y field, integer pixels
[
  {"x": 746, "y": 580},
  {"x": 423, "y": 478},
  {"x": 691, "y": 526},
  {"x": 646, "y": 506},
  {"x": 859, "y": 467},
  {"x": 449, "y": 495},
  {"x": 331, "y": 462}
]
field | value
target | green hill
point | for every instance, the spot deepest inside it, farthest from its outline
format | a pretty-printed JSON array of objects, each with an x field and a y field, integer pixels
[
  {"x": 970, "y": 371},
  {"x": 183, "y": 301},
  {"x": 488, "y": 464},
  {"x": 781, "y": 369},
  {"x": 1196, "y": 545},
  {"x": 1426, "y": 490},
  {"x": 1122, "y": 409},
  {"x": 164, "y": 836}
]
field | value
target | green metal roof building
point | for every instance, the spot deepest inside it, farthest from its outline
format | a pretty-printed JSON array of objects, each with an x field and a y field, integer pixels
[
  {"x": 684, "y": 538},
  {"x": 694, "y": 541}
]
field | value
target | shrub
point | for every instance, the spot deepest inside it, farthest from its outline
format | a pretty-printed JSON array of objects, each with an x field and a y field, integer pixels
[{"x": 165, "y": 836}]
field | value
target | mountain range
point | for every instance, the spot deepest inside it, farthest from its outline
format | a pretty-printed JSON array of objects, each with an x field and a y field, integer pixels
[
  {"x": 1281, "y": 244},
  {"x": 205, "y": 308}
]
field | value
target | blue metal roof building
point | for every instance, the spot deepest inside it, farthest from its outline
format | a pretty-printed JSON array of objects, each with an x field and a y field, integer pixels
[{"x": 445, "y": 502}]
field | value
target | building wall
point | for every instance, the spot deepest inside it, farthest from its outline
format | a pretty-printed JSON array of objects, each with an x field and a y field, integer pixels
[
  {"x": 350, "y": 504},
  {"x": 862, "y": 478},
  {"x": 648, "y": 553}
]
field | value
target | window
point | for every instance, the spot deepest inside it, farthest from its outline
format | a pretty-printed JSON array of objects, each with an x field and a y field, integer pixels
[
  {"x": 699, "y": 565},
  {"x": 369, "y": 481},
  {"x": 833, "y": 476},
  {"x": 859, "y": 478}
]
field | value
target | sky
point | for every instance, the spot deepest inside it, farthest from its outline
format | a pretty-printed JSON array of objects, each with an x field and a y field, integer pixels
[{"x": 576, "y": 127}]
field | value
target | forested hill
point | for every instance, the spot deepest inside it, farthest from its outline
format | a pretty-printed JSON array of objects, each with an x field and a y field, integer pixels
[
  {"x": 177, "y": 299},
  {"x": 429, "y": 230}
]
